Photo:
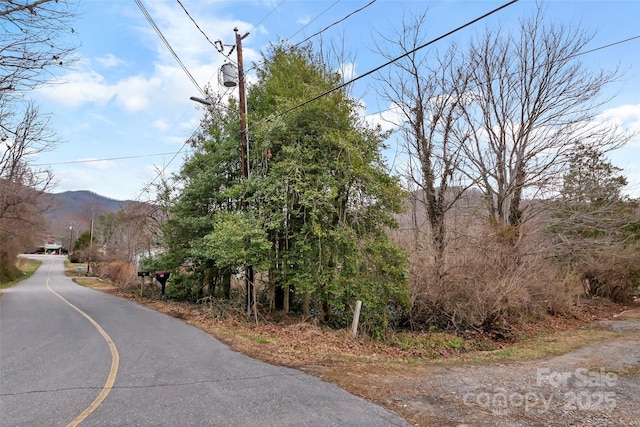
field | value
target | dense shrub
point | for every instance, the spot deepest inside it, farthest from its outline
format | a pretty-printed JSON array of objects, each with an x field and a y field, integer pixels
[
  {"x": 614, "y": 276},
  {"x": 486, "y": 285},
  {"x": 9, "y": 273}
]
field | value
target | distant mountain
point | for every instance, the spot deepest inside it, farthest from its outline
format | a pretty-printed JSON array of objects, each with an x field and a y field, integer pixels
[{"x": 80, "y": 203}]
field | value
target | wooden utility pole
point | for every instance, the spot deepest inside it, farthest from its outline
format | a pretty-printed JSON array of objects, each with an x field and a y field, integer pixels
[
  {"x": 244, "y": 151},
  {"x": 90, "y": 245},
  {"x": 244, "y": 137}
]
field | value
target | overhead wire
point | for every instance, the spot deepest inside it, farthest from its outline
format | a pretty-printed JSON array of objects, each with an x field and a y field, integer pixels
[
  {"x": 386, "y": 64},
  {"x": 106, "y": 159},
  {"x": 269, "y": 14},
  {"x": 288, "y": 110},
  {"x": 218, "y": 43},
  {"x": 321, "y": 31},
  {"x": 219, "y": 49},
  {"x": 336, "y": 88},
  {"x": 365, "y": 115},
  {"x": 161, "y": 172},
  {"x": 335, "y": 23},
  {"x": 606, "y": 46},
  {"x": 151, "y": 21},
  {"x": 314, "y": 19},
  {"x": 574, "y": 55},
  {"x": 147, "y": 15}
]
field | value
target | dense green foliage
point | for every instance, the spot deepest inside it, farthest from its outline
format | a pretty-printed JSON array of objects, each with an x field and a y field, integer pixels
[
  {"x": 594, "y": 226},
  {"x": 592, "y": 214},
  {"x": 312, "y": 215}
]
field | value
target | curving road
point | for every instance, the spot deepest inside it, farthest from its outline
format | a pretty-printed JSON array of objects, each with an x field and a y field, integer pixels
[{"x": 74, "y": 356}]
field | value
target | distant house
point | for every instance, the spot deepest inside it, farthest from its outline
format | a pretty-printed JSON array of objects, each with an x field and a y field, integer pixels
[
  {"x": 53, "y": 248},
  {"x": 50, "y": 246}
]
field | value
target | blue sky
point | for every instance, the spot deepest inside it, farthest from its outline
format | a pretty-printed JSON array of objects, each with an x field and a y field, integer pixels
[{"x": 123, "y": 111}]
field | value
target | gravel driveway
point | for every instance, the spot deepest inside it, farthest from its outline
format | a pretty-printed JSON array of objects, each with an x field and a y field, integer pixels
[{"x": 597, "y": 385}]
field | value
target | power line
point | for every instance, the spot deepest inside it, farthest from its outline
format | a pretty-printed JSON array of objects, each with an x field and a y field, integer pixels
[
  {"x": 195, "y": 23},
  {"x": 595, "y": 49},
  {"x": 379, "y": 68},
  {"x": 386, "y": 64},
  {"x": 193, "y": 80},
  {"x": 335, "y": 23},
  {"x": 217, "y": 44},
  {"x": 72, "y": 162},
  {"x": 605, "y": 46},
  {"x": 269, "y": 14},
  {"x": 365, "y": 115},
  {"x": 321, "y": 31},
  {"x": 314, "y": 19},
  {"x": 159, "y": 174},
  {"x": 340, "y": 86},
  {"x": 166, "y": 43}
]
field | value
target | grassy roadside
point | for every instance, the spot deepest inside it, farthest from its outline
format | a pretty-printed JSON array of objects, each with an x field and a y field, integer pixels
[
  {"x": 81, "y": 278},
  {"x": 292, "y": 343},
  {"x": 27, "y": 266}
]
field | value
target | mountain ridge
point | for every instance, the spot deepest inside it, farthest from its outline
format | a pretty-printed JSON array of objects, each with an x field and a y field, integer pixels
[{"x": 81, "y": 202}]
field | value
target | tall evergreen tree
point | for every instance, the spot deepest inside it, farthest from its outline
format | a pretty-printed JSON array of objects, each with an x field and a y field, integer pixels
[
  {"x": 595, "y": 226},
  {"x": 591, "y": 214},
  {"x": 321, "y": 189},
  {"x": 310, "y": 218},
  {"x": 209, "y": 185}
]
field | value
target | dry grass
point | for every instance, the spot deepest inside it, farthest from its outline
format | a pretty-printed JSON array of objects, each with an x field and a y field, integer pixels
[{"x": 291, "y": 342}]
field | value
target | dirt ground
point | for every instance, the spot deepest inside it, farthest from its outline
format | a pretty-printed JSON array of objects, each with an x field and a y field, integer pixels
[
  {"x": 581, "y": 371},
  {"x": 595, "y": 385}
]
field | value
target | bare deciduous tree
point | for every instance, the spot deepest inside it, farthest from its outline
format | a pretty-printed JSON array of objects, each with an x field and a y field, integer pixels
[
  {"x": 504, "y": 117},
  {"x": 31, "y": 45},
  {"x": 430, "y": 96},
  {"x": 21, "y": 184},
  {"x": 533, "y": 100}
]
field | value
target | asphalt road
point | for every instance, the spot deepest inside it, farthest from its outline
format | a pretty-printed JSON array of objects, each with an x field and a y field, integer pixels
[{"x": 71, "y": 355}]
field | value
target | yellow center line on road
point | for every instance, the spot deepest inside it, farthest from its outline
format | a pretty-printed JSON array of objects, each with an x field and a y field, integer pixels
[{"x": 115, "y": 361}]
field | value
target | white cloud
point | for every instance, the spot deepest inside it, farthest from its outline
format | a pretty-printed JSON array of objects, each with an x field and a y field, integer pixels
[
  {"x": 135, "y": 93},
  {"x": 623, "y": 113},
  {"x": 161, "y": 125},
  {"x": 78, "y": 88},
  {"x": 75, "y": 179},
  {"x": 166, "y": 84},
  {"x": 627, "y": 117},
  {"x": 109, "y": 61},
  {"x": 388, "y": 119},
  {"x": 191, "y": 124},
  {"x": 174, "y": 140},
  {"x": 347, "y": 70}
]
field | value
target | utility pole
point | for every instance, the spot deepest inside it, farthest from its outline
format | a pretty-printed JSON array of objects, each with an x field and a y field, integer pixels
[
  {"x": 69, "y": 249},
  {"x": 244, "y": 134},
  {"x": 244, "y": 146},
  {"x": 90, "y": 245}
]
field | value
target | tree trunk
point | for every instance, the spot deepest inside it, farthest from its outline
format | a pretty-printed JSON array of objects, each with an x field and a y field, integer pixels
[
  {"x": 305, "y": 305},
  {"x": 226, "y": 284}
]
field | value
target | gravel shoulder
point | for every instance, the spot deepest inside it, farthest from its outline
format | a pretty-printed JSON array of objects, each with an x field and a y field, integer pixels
[{"x": 595, "y": 385}]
